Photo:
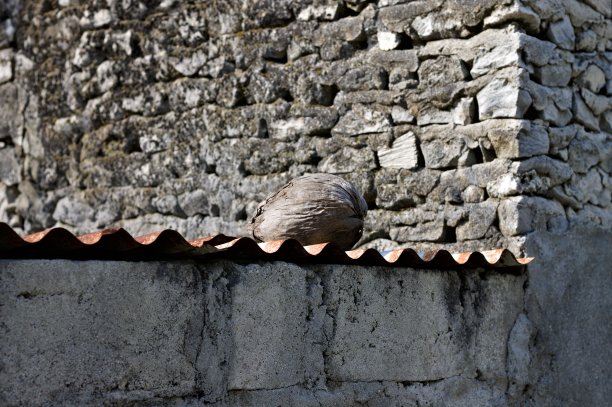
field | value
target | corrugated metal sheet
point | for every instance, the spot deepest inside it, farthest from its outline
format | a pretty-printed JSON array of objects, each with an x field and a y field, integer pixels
[{"x": 117, "y": 244}]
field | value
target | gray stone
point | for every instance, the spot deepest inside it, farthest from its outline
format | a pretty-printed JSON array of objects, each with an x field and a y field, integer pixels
[
  {"x": 442, "y": 70},
  {"x": 503, "y": 55},
  {"x": 348, "y": 160},
  {"x": 586, "y": 41},
  {"x": 589, "y": 188},
  {"x": 434, "y": 26},
  {"x": 362, "y": 120},
  {"x": 524, "y": 214},
  {"x": 583, "y": 114},
  {"x": 405, "y": 188},
  {"x": 556, "y": 171},
  {"x": 554, "y": 75},
  {"x": 10, "y": 169},
  {"x": 593, "y": 78},
  {"x": 519, "y": 353},
  {"x": 194, "y": 202},
  {"x": 562, "y": 33},
  {"x": 605, "y": 122},
  {"x": 553, "y": 104},
  {"x": 73, "y": 211},
  {"x": 562, "y": 305},
  {"x": 584, "y": 152},
  {"x": 500, "y": 99},
  {"x": 580, "y": 13},
  {"x": 362, "y": 78},
  {"x": 480, "y": 218},
  {"x": 396, "y": 18},
  {"x": 429, "y": 231},
  {"x": 403, "y": 153},
  {"x": 473, "y": 194},
  {"x": 515, "y": 11},
  {"x": 520, "y": 139},
  {"x": 560, "y": 137},
  {"x": 88, "y": 328},
  {"x": 346, "y": 29},
  {"x": 597, "y": 103},
  {"x": 167, "y": 205},
  {"x": 442, "y": 149},
  {"x": 189, "y": 65},
  {"x": 407, "y": 58}
]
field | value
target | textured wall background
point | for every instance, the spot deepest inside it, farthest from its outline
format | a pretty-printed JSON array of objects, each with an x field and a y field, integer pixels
[{"x": 466, "y": 124}]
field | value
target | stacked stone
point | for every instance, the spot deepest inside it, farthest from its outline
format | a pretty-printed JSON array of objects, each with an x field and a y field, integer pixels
[{"x": 466, "y": 126}]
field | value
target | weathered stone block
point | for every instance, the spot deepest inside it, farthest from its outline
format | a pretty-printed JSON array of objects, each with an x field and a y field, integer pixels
[
  {"x": 403, "y": 153},
  {"x": 502, "y": 99},
  {"x": 10, "y": 170},
  {"x": 517, "y": 139},
  {"x": 362, "y": 120},
  {"x": 480, "y": 218},
  {"x": 562, "y": 33},
  {"x": 524, "y": 214},
  {"x": 348, "y": 160}
]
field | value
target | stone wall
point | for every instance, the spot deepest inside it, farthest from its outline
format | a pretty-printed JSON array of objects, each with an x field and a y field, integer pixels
[
  {"x": 224, "y": 334},
  {"x": 466, "y": 125}
]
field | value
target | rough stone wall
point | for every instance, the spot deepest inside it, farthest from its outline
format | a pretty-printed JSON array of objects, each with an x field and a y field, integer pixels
[
  {"x": 223, "y": 334},
  {"x": 466, "y": 124}
]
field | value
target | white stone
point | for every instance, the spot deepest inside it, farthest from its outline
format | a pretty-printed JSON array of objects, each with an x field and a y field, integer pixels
[
  {"x": 500, "y": 98},
  {"x": 402, "y": 154},
  {"x": 387, "y": 40},
  {"x": 6, "y": 65},
  {"x": 102, "y": 17},
  {"x": 464, "y": 112},
  {"x": 562, "y": 33},
  {"x": 424, "y": 26},
  {"x": 23, "y": 64},
  {"x": 401, "y": 115}
]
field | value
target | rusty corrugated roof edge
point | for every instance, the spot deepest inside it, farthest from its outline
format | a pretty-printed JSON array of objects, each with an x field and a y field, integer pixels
[{"x": 118, "y": 244}]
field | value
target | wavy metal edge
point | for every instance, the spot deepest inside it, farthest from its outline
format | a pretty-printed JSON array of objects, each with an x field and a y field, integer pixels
[{"x": 118, "y": 244}]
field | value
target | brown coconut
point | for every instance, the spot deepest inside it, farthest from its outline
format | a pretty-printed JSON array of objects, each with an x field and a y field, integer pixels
[{"x": 313, "y": 208}]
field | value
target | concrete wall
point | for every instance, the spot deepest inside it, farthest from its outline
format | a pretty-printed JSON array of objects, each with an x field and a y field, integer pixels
[{"x": 84, "y": 333}]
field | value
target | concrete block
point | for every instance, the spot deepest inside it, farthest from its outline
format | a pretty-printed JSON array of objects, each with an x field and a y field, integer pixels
[
  {"x": 268, "y": 310},
  {"x": 422, "y": 336}
]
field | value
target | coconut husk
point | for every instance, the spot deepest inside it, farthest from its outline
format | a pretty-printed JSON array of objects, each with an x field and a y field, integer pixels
[{"x": 313, "y": 208}]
